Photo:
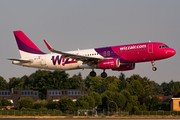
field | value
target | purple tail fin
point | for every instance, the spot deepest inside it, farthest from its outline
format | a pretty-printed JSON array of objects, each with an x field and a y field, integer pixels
[{"x": 25, "y": 45}]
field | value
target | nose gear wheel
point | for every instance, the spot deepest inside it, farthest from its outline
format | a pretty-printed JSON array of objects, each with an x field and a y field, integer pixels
[{"x": 153, "y": 64}]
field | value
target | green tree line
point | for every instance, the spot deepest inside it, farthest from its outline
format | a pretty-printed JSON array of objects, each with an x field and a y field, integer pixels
[{"x": 132, "y": 93}]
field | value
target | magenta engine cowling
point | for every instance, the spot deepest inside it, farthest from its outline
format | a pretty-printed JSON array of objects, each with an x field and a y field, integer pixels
[
  {"x": 109, "y": 64},
  {"x": 126, "y": 67}
]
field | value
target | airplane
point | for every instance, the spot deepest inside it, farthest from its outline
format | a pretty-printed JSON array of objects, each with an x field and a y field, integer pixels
[{"x": 117, "y": 58}]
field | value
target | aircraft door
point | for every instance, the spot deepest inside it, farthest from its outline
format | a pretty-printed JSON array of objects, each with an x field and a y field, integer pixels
[{"x": 150, "y": 48}]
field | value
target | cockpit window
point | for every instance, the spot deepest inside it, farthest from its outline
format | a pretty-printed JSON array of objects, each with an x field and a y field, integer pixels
[{"x": 163, "y": 46}]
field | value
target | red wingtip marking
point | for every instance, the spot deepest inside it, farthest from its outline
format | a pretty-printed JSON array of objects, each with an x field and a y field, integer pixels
[{"x": 48, "y": 46}]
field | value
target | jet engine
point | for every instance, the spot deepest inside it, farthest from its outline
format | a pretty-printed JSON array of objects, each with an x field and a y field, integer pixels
[
  {"x": 109, "y": 64},
  {"x": 125, "y": 67}
]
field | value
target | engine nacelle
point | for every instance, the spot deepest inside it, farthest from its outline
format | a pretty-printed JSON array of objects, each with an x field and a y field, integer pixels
[
  {"x": 109, "y": 64},
  {"x": 128, "y": 66}
]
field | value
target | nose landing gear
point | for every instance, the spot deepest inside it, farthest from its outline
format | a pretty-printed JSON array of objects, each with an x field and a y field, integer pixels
[{"x": 153, "y": 64}]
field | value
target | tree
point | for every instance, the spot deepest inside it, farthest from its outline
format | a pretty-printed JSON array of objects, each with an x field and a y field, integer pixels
[
  {"x": 96, "y": 97},
  {"x": 73, "y": 83},
  {"x": 26, "y": 102},
  {"x": 176, "y": 90},
  {"x": 122, "y": 82},
  {"x": 3, "y": 84},
  {"x": 134, "y": 100},
  {"x": 105, "y": 98},
  {"x": 146, "y": 83},
  {"x": 165, "y": 106},
  {"x": 51, "y": 104},
  {"x": 16, "y": 83},
  {"x": 122, "y": 76},
  {"x": 135, "y": 108},
  {"x": 81, "y": 104},
  {"x": 142, "y": 107},
  {"x": 87, "y": 99},
  {"x": 5, "y": 102},
  {"x": 126, "y": 94},
  {"x": 40, "y": 104},
  {"x": 66, "y": 104},
  {"x": 128, "y": 107},
  {"x": 116, "y": 97},
  {"x": 119, "y": 99},
  {"x": 80, "y": 81},
  {"x": 136, "y": 88},
  {"x": 42, "y": 80},
  {"x": 153, "y": 104},
  {"x": 156, "y": 89},
  {"x": 93, "y": 84},
  {"x": 111, "y": 83}
]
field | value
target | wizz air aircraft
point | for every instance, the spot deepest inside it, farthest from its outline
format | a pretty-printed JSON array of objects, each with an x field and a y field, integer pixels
[{"x": 118, "y": 58}]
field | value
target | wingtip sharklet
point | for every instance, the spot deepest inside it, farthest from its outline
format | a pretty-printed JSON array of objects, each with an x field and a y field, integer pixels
[{"x": 48, "y": 46}]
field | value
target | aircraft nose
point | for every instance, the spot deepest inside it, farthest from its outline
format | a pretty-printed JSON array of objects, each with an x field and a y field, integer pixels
[{"x": 171, "y": 52}]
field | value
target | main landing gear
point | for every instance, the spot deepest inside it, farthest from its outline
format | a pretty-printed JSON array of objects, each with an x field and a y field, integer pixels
[
  {"x": 104, "y": 74},
  {"x": 153, "y": 64},
  {"x": 93, "y": 74}
]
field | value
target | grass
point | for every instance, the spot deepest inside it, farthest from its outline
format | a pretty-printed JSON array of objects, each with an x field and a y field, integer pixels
[{"x": 98, "y": 117}]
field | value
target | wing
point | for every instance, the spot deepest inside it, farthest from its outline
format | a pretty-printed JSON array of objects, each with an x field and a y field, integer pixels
[
  {"x": 20, "y": 60},
  {"x": 85, "y": 59}
]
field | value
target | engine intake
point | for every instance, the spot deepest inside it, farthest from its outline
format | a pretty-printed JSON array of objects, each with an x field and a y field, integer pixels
[{"x": 109, "y": 64}]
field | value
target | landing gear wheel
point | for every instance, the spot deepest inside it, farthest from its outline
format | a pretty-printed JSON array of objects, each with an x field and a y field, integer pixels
[
  {"x": 92, "y": 74},
  {"x": 153, "y": 64},
  {"x": 103, "y": 74},
  {"x": 154, "y": 68}
]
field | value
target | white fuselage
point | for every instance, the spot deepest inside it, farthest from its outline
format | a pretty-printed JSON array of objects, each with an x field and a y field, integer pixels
[{"x": 55, "y": 61}]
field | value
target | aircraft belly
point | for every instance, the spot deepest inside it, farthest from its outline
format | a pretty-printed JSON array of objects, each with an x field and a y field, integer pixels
[
  {"x": 69, "y": 66},
  {"x": 62, "y": 66}
]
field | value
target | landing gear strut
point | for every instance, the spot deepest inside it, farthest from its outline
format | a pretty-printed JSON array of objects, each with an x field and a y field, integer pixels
[
  {"x": 154, "y": 68},
  {"x": 104, "y": 74}
]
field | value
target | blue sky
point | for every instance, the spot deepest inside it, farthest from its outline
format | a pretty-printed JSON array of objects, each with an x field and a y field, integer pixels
[{"x": 71, "y": 24}]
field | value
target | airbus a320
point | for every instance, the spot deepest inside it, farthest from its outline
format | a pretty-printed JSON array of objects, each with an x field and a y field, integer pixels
[{"x": 118, "y": 58}]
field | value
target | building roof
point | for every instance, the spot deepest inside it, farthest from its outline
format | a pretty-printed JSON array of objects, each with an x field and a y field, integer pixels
[{"x": 174, "y": 99}]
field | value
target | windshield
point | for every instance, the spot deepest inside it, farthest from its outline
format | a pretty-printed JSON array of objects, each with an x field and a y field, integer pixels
[{"x": 163, "y": 46}]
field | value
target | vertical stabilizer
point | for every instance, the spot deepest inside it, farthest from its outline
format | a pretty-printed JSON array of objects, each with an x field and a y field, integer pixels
[{"x": 26, "y": 47}]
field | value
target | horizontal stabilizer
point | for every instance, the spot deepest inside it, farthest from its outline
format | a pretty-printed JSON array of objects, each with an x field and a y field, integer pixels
[{"x": 20, "y": 60}]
